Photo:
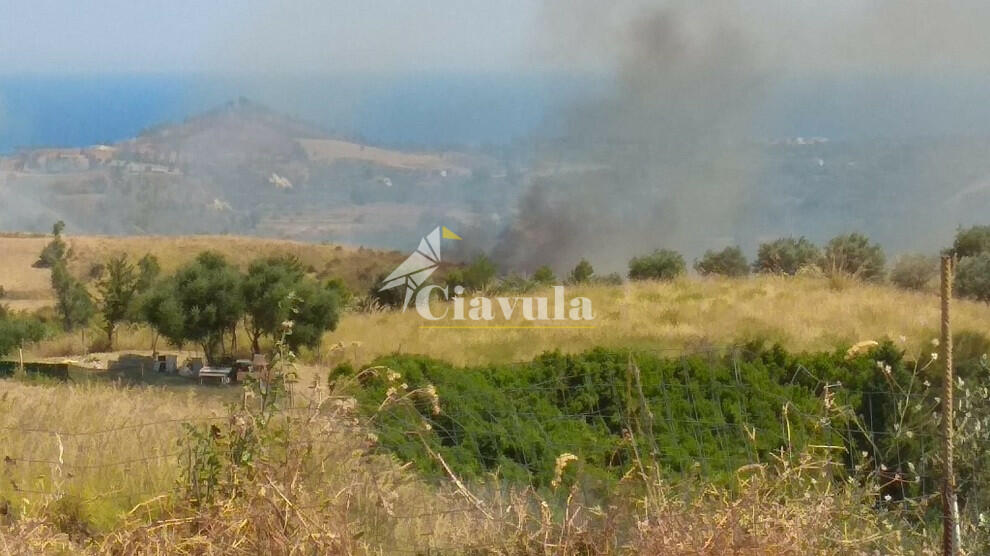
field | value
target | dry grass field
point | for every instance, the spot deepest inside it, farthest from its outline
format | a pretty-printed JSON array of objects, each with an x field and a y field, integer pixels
[
  {"x": 802, "y": 313},
  {"x": 330, "y": 150},
  {"x": 28, "y": 288}
]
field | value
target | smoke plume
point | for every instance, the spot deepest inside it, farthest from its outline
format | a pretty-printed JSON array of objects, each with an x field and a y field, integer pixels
[{"x": 662, "y": 161}]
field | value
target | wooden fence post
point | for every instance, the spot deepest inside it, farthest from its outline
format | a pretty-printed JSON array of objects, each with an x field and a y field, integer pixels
[{"x": 950, "y": 506}]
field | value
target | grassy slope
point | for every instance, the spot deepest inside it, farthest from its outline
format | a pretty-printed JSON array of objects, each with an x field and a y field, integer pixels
[
  {"x": 28, "y": 288},
  {"x": 802, "y": 313}
]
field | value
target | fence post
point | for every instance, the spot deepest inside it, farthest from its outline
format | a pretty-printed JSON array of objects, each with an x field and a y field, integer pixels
[{"x": 950, "y": 507}]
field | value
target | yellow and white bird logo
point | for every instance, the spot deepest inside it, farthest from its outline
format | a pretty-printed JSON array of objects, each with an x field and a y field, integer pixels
[{"x": 420, "y": 265}]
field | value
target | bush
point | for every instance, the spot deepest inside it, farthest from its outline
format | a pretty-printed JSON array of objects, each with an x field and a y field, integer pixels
[
  {"x": 582, "y": 272},
  {"x": 973, "y": 277},
  {"x": 854, "y": 255},
  {"x": 477, "y": 276},
  {"x": 785, "y": 255},
  {"x": 612, "y": 279},
  {"x": 392, "y": 298},
  {"x": 914, "y": 272},
  {"x": 544, "y": 276},
  {"x": 517, "y": 418},
  {"x": 727, "y": 262},
  {"x": 662, "y": 264},
  {"x": 515, "y": 284},
  {"x": 971, "y": 241},
  {"x": 16, "y": 330}
]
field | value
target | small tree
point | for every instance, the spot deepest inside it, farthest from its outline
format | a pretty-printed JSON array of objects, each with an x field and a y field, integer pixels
[
  {"x": 662, "y": 264},
  {"x": 148, "y": 270},
  {"x": 476, "y": 276},
  {"x": 56, "y": 250},
  {"x": 479, "y": 274},
  {"x": 973, "y": 277},
  {"x": 854, "y": 255},
  {"x": 208, "y": 292},
  {"x": 582, "y": 272},
  {"x": 971, "y": 241},
  {"x": 544, "y": 276},
  {"x": 317, "y": 311},
  {"x": 73, "y": 303},
  {"x": 159, "y": 307},
  {"x": 118, "y": 289},
  {"x": 914, "y": 272},
  {"x": 785, "y": 255},
  {"x": 267, "y": 286},
  {"x": 727, "y": 262}
]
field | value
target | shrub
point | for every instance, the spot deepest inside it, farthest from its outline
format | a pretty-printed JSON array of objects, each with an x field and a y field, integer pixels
[
  {"x": 514, "y": 283},
  {"x": 479, "y": 274},
  {"x": 914, "y": 272},
  {"x": 544, "y": 276},
  {"x": 582, "y": 272},
  {"x": 517, "y": 418},
  {"x": 727, "y": 262},
  {"x": 973, "y": 277},
  {"x": 392, "y": 298},
  {"x": 612, "y": 279},
  {"x": 662, "y": 264},
  {"x": 971, "y": 241},
  {"x": 854, "y": 255},
  {"x": 785, "y": 255},
  {"x": 17, "y": 330}
]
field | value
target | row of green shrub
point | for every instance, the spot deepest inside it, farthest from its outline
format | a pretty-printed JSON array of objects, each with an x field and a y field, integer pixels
[
  {"x": 711, "y": 413},
  {"x": 853, "y": 255}
]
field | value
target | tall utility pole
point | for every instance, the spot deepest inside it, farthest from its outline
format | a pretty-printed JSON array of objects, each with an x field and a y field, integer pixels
[{"x": 950, "y": 506}]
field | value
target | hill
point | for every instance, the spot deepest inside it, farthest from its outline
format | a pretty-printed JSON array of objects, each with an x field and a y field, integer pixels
[
  {"x": 239, "y": 168},
  {"x": 28, "y": 287}
]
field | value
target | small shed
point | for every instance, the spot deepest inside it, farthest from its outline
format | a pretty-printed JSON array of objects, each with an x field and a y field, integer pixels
[{"x": 167, "y": 364}]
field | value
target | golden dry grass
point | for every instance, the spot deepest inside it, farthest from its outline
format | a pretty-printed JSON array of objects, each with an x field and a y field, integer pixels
[
  {"x": 103, "y": 458},
  {"x": 803, "y": 313},
  {"x": 28, "y": 288}
]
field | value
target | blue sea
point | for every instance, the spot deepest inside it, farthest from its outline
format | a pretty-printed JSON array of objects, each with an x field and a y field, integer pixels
[
  {"x": 426, "y": 111},
  {"x": 460, "y": 109}
]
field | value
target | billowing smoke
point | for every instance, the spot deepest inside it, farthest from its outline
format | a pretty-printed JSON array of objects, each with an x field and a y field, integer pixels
[
  {"x": 659, "y": 163},
  {"x": 683, "y": 155}
]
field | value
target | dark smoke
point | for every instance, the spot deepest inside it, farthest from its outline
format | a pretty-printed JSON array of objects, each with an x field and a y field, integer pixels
[{"x": 669, "y": 150}]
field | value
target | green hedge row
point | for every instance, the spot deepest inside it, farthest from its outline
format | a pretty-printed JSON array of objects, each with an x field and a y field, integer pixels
[{"x": 706, "y": 414}]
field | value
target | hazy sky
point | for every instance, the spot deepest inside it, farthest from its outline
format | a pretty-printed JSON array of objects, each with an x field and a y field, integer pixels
[
  {"x": 250, "y": 36},
  {"x": 255, "y": 35}
]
